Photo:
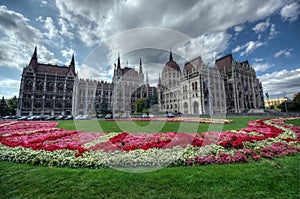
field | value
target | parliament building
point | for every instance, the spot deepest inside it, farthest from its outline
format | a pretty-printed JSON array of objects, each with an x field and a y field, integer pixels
[{"x": 197, "y": 89}]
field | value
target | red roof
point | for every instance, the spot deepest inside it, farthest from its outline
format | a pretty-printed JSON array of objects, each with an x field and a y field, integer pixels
[
  {"x": 224, "y": 62},
  {"x": 52, "y": 69},
  {"x": 129, "y": 72},
  {"x": 170, "y": 66},
  {"x": 193, "y": 64}
]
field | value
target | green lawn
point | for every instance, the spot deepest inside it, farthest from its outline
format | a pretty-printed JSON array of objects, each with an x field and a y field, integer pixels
[
  {"x": 266, "y": 179},
  {"x": 112, "y": 126},
  {"x": 277, "y": 178}
]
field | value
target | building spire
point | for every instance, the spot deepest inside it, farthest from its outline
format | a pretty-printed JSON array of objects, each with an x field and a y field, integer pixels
[
  {"x": 33, "y": 62},
  {"x": 119, "y": 62},
  {"x": 141, "y": 67},
  {"x": 72, "y": 61},
  {"x": 147, "y": 78},
  {"x": 171, "y": 56},
  {"x": 34, "y": 55},
  {"x": 72, "y": 64},
  {"x": 159, "y": 80}
]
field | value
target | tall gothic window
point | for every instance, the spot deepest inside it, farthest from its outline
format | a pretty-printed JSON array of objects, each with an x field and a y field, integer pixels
[
  {"x": 28, "y": 85},
  {"x": 60, "y": 87},
  {"x": 39, "y": 85},
  {"x": 59, "y": 104},
  {"x": 69, "y": 87},
  {"x": 38, "y": 104},
  {"x": 50, "y": 86},
  {"x": 26, "y": 104}
]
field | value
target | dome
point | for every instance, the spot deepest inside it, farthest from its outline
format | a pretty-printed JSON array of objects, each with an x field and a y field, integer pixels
[{"x": 171, "y": 66}]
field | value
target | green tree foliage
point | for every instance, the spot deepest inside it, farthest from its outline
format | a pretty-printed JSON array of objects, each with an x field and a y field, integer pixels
[
  {"x": 12, "y": 105},
  {"x": 3, "y": 107},
  {"x": 291, "y": 105},
  {"x": 141, "y": 105}
]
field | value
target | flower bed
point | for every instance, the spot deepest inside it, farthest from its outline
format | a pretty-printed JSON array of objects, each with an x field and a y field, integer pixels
[
  {"x": 177, "y": 119},
  {"x": 41, "y": 143}
]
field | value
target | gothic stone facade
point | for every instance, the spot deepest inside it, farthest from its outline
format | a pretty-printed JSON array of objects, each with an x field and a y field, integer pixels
[
  {"x": 229, "y": 87},
  {"x": 46, "y": 89},
  {"x": 98, "y": 97},
  {"x": 243, "y": 89}
]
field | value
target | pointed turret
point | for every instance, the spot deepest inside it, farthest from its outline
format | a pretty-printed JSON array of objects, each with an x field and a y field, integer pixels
[
  {"x": 33, "y": 61},
  {"x": 72, "y": 61},
  {"x": 141, "y": 67},
  {"x": 171, "y": 56},
  {"x": 159, "y": 80},
  {"x": 34, "y": 55},
  {"x": 147, "y": 79},
  {"x": 72, "y": 64},
  {"x": 119, "y": 62}
]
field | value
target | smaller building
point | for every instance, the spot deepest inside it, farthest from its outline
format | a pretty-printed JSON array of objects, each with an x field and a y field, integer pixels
[{"x": 272, "y": 103}]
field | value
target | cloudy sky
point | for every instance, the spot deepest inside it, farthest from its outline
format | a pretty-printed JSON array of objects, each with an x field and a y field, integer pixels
[{"x": 266, "y": 33}]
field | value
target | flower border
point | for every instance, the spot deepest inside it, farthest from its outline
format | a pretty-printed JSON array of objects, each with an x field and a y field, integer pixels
[{"x": 266, "y": 138}]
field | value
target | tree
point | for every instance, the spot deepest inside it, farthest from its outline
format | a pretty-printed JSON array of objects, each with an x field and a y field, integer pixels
[
  {"x": 3, "y": 107},
  {"x": 291, "y": 105},
  {"x": 140, "y": 105},
  {"x": 103, "y": 107},
  {"x": 12, "y": 105}
]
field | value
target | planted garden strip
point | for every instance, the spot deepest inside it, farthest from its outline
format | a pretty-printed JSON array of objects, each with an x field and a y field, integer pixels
[
  {"x": 266, "y": 138},
  {"x": 177, "y": 119}
]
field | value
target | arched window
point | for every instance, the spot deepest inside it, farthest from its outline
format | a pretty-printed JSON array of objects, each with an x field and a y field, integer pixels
[
  {"x": 60, "y": 86},
  {"x": 39, "y": 85},
  {"x": 50, "y": 86},
  {"x": 26, "y": 104},
  {"x": 28, "y": 84},
  {"x": 59, "y": 104},
  {"x": 37, "y": 104},
  {"x": 48, "y": 104}
]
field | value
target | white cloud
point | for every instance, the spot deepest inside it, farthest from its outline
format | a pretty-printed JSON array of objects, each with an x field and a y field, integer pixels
[
  {"x": 15, "y": 26},
  {"x": 238, "y": 28},
  {"x": 261, "y": 27},
  {"x": 49, "y": 25},
  {"x": 247, "y": 48},
  {"x": 273, "y": 31},
  {"x": 261, "y": 67},
  {"x": 258, "y": 59},
  {"x": 19, "y": 39},
  {"x": 67, "y": 53},
  {"x": 281, "y": 82},
  {"x": 44, "y": 3},
  {"x": 65, "y": 28},
  {"x": 286, "y": 53},
  {"x": 95, "y": 21},
  {"x": 87, "y": 72},
  {"x": 9, "y": 88},
  {"x": 10, "y": 83},
  {"x": 290, "y": 12},
  {"x": 51, "y": 36}
]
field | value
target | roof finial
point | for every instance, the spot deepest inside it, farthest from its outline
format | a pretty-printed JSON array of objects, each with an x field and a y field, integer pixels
[
  {"x": 147, "y": 78},
  {"x": 34, "y": 55},
  {"x": 73, "y": 60},
  {"x": 119, "y": 62},
  {"x": 159, "y": 80},
  {"x": 171, "y": 56},
  {"x": 141, "y": 68}
]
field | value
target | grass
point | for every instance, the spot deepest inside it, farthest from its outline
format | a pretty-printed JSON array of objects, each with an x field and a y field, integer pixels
[
  {"x": 294, "y": 122},
  {"x": 119, "y": 126},
  {"x": 277, "y": 178},
  {"x": 266, "y": 179}
]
